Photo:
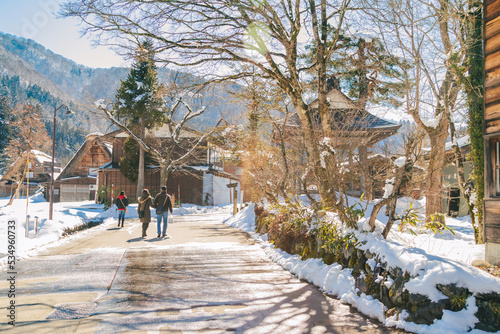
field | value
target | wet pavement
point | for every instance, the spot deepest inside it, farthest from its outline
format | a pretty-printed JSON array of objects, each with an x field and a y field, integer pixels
[{"x": 205, "y": 278}]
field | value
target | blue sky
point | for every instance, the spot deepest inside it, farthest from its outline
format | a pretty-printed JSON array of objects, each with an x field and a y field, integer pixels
[{"x": 36, "y": 20}]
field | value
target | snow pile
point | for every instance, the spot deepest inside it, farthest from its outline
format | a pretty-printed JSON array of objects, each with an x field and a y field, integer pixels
[
  {"x": 35, "y": 211},
  {"x": 428, "y": 269},
  {"x": 244, "y": 219}
]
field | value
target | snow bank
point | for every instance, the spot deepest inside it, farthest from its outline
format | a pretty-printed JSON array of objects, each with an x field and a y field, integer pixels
[{"x": 428, "y": 270}]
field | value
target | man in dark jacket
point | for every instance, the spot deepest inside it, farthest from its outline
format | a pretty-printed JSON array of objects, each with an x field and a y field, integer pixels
[
  {"x": 121, "y": 204},
  {"x": 163, "y": 205}
]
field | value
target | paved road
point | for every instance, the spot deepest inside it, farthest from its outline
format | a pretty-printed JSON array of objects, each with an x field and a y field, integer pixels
[{"x": 205, "y": 278}]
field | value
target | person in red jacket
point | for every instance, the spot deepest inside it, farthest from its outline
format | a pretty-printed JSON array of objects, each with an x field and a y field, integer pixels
[{"x": 121, "y": 204}]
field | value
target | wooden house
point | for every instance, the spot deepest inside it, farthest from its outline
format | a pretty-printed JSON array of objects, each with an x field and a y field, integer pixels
[
  {"x": 78, "y": 180},
  {"x": 491, "y": 130},
  {"x": 37, "y": 175},
  {"x": 200, "y": 180}
]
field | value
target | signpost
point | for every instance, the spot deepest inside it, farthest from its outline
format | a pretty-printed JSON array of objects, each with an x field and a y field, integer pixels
[
  {"x": 49, "y": 164},
  {"x": 235, "y": 196},
  {"x": 49, "y": 170}
]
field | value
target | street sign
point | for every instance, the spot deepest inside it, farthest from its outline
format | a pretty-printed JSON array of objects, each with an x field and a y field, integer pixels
[
  {"x": 49, "y": 170},
  {"x": 232, "y": 185},
  {"x": 49, "y": 164}
]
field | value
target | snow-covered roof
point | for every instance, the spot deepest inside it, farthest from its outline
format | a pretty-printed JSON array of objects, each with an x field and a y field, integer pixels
[
  {"x": 462, "y": 142},
  {"x": 200, "y": 168},
  {"x": 78, "y": 177},
  {"x": 41, "y": 157}
]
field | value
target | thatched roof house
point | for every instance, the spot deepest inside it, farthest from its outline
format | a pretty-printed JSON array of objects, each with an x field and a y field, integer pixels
[
  {"x": 37, "y": 174},
  {"x": 78, "y": 180}
]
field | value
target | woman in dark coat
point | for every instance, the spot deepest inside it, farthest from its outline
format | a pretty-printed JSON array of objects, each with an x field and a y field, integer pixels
[{"x": 145, "y": 202}]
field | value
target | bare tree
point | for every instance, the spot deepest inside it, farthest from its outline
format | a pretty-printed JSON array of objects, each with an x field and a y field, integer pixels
[
  {"x": 30, "y": 133},
  {"x": 402, "y": 180},
  {"x": 269, "y": 35},
  {"x": 429, "y": 35},
  {"x": 171, "y": 150}
]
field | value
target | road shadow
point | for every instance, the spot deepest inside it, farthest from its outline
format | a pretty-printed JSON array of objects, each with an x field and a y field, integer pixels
[
  {"x": 156, "y": 239},
  {"x": 135, "y": 239}
]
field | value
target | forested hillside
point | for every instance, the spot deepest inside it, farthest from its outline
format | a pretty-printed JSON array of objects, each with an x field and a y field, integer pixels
[{"x": 31, "y": 73}]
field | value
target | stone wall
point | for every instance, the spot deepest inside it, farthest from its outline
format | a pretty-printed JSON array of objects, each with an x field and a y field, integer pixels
[{"x": 387, "y": 284}]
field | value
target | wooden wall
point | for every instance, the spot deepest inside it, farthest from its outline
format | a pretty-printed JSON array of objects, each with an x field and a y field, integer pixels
[
  {"x": 190, "y": 184},
  {"x": 121, "y": 183},
  {"x": 492, "y": 66},
  {"x": 491, "y": 118},
  {"x": 95, "y": 158}
]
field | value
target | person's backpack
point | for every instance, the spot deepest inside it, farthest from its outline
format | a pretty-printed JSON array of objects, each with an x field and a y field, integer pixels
[{"x": 159, "y": 208}]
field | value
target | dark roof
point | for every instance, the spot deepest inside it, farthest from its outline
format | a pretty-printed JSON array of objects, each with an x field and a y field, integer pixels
[
  {"x": 348, "y": 120},
  {"x": 115, "y": 165},
  {"x": 109, "y": 165},
  {"x": 369, "y": 121}
]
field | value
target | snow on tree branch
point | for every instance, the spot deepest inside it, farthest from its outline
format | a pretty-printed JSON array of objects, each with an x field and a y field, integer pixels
[{"x": 103, "y": 105}]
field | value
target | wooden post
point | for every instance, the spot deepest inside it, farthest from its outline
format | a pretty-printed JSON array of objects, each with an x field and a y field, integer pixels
[
  {"x": 365, "y": 175},
  {"x": 27, "y": 196},
  {"x": 235, "y": 201},
  {"x": 235, "y": 196},
  {"x": 112, "y": 191}
]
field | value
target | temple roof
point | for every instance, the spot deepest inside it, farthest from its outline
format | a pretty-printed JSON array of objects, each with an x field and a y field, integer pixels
[{"x": 348, "y": 120}]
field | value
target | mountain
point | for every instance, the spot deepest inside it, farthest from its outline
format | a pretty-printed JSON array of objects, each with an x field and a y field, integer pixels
[
  {"x": 30, "y": 72},
  {"x": 80, "y": 86}
]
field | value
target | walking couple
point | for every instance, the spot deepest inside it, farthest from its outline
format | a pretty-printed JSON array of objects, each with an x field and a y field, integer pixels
[{"x": 162, "y": 203}]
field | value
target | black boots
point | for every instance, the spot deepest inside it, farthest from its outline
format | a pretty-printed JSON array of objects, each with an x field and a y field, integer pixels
[{"x": 122, "y": 221}]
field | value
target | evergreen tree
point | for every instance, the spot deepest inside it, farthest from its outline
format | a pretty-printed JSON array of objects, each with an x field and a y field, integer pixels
[
  {"x": 129, "y": 163},
  {"x": 139, "y": 103},
  {"x": 5, "y": 129},
  {"x": 368, "y": 71}
]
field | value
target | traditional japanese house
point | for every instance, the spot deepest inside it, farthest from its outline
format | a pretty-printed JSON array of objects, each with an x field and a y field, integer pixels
[
  {"x": 200, "y": 180},
  {"x": 352, "y": 127},
  {"x": 78, "y": 180},
  {"x": 492, "y": 129},
  {"x": 35, "y": 174}
]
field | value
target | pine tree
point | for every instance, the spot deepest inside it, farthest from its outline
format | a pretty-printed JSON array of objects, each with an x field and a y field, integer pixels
[
  {"x": 368, "y": 71},
  {"x": 5, "y": 128},
  {"x": 138, "y": 100},
  {"x": 129, "y": 163}
]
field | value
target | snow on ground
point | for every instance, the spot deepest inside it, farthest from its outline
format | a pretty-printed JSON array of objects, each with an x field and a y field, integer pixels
[
  {"x": 426, "y": 253},
  {"x": 65, "y": 215},
  {"x": 459, "y": 246},
  {"x": 436, "y": 258}
]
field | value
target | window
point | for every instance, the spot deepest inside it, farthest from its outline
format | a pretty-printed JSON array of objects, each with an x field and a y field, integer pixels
[{"x": 215, "y": 157}]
